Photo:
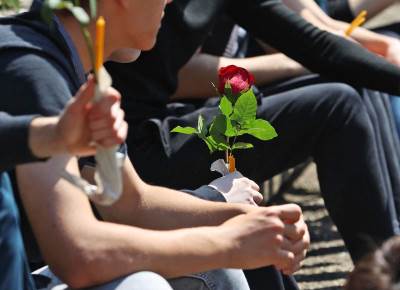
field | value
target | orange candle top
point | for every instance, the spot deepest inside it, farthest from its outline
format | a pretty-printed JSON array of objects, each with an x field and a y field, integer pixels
[
  {"x": 100, "y": 33},
  {"x": 358, "y": 21}
]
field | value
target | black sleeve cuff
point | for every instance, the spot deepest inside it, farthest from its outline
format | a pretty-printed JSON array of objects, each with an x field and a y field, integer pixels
[
  {"x": 14, "y": 131},
  {"x": 206, "y": 192}
]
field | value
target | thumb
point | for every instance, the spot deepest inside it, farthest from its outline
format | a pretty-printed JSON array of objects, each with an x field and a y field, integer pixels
[{"x": 84, "y": 95}]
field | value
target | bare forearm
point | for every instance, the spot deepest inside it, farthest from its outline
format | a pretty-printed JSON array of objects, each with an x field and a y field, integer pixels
[
  {"x": 310, "y": 11},
  {"x": 196, "y": 77},
  {"x": 372, "y": 41},
  {"x": 173, "y": 210},
  {"x": 112, "y": 250},
  {"x": 372, "y": 6},
  {"x": 84, "y": 251},
  {"x": 161, "y": 208}
]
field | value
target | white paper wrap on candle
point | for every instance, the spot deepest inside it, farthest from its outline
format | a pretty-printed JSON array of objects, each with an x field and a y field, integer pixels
[
  {"x": 220, "y": 166},
  {"x": 109, "y": 162}
]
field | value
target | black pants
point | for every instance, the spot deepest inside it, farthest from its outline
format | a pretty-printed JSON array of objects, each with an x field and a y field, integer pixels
[
  {"x": 332, "y": 123},
  {"x": 328, "y": 122}
]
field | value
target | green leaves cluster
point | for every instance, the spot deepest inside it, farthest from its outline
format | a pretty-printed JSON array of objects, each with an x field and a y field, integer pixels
[
  {"x": 10, "y": 4},
  {"x": 72, "y": 6},
  {"x": 237, "y": 117}
]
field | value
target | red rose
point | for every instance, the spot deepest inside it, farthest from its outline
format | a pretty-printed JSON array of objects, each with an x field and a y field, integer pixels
[{"x": 239, "y": 79}]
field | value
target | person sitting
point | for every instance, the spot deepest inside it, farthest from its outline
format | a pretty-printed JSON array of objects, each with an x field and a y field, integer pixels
[
  {"x": 318, "y": 121},
  {"x": 150, "y": 229},
  {"x": 32, "y": 138}
]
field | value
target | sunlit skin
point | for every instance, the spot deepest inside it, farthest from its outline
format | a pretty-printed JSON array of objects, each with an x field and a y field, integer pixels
[{"x": 125, "y": 35}]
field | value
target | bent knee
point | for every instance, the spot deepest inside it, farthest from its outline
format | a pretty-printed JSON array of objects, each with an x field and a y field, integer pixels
[
  {"x": 221, "y": 279},
  {"x": 138, "y": 281}
]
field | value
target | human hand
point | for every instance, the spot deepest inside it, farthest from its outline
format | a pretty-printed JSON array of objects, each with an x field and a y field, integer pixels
[
  {"x": 297, "y": 237},
  {"x": 84, "y": 123},
  {"x": 393, "y": 51},
  {"x": 268, "y": 236},
  {"x": 238, "y": 189}
]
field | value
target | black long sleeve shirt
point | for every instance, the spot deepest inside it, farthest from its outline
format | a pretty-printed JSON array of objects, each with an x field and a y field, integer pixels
[
  {"x": 14, "y": 134},
  {"x": 148, "y": 83}
]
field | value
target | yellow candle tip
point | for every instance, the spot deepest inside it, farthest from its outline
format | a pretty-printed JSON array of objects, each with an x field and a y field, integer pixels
[{"x": 100, "y": 31}]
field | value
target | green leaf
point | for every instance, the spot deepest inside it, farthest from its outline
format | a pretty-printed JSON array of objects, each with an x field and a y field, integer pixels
[
  {"x": 211, "y": 144},
  {"x": 218, "y": 138},
  {"x": 226, "y": 106},
  {"x": 260, "y": 129},
  {"x": 93, "y": 8},
  {"x": 55, "y": 4},
  {"x": 245, "y": 109},
  {"x": 242, "y": 145},
  {"x": 80, "y": 14},
  {"x": 201, "y": 128},
  {"x": 224, "y": 126},
  {"x": 229, "y": 94},
  {"x": 184, "y": 130}
]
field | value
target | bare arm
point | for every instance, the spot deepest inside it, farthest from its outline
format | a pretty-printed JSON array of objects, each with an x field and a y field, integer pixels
[
  {"x": 84, "y": 252},
  {"x": 196, "y": 76},
  {"x": 161, "y": 208},
  {"x": 373, "y": 7},
  {"x": 377, "y": 43}
]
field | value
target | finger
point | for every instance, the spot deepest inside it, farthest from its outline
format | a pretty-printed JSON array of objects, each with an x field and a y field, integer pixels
[
  {"x": 284, "y": 259},
  {"x": 107, "y": 138},
  {"x": 296, "y": 266},
  {"x": 254, "y": 185},
  {"x": 289, "y": 213},
  {"x": 113, "y": 121},
  {"x": 84, "y": 95},
  {"x": 300, "y": 247},
  {"x": 294, "y": 232},
  {"x": 110, "y": 142},
  {"x": 250, "y": 200},
  {"x": 105, "y": 107},
  {"x": 257, "y": 197},
  {"x": 100, "y": 135}
]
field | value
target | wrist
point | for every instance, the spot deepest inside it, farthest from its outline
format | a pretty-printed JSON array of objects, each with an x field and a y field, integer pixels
[{"x": 44, "y": 139}]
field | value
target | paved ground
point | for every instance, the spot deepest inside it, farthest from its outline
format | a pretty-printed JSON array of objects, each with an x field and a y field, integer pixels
[{"x": 328, "y": 262}]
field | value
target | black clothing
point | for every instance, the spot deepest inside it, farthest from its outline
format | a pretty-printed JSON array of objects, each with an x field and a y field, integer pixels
[
  {"x": 39, "y": 68},
  {"x": 328, "y": 122},
  {"x": 187, "y": 24},
  {"x": 38, "y": 77},
  {"x": 14, "y": 149},
  {"x": 339, "y": 9}
]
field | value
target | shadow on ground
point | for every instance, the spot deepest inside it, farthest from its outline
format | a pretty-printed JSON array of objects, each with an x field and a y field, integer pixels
[{"x": 328, "y": 262}]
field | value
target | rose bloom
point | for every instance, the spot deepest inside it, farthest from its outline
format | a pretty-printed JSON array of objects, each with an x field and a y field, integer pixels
[{"x": 240, "y": 79}]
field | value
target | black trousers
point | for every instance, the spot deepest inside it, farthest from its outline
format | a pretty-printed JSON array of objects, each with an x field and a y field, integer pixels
[{"x": 330, "y": 122}]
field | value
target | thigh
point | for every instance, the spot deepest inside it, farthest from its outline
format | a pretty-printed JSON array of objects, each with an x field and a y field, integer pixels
[
  {"x": 138, "y": 281},
  {"x": 300, "y": 116},
  {"x": 221, "y": 279}
]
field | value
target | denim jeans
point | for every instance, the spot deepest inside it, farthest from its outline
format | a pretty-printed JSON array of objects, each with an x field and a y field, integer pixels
[
  {"x": 223, "y": 279},
  {"x": 14, "y": 271}
]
